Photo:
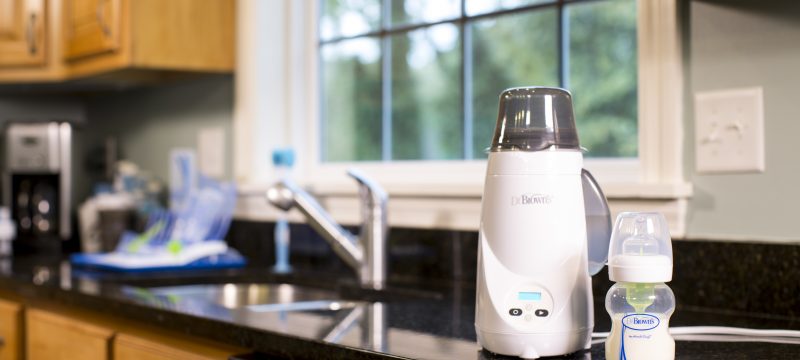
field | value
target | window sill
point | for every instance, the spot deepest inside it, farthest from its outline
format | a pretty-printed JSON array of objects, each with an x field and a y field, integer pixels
[{"x": 456, "y": 206}]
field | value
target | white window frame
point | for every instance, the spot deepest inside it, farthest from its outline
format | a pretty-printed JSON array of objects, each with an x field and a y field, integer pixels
[{"x": 277, "y": 105}]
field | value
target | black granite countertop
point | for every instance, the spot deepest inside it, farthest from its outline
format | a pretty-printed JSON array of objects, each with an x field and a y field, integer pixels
[{"x": 434, "y": 323}]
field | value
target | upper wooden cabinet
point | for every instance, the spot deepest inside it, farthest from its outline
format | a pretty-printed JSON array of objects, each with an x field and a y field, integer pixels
[
  {"x": 182, "y": 35},
  {"x": 114, "y": 39},
  {"x": 22, "y": 32},
  {"x": 91, "y": 27}
]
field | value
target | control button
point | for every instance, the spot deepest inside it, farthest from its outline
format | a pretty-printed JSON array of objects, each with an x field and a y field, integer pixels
[
  {"x": 529, "y": 307},
  {"x": 541, "y": 312},
  {"x": 528, "y": 317},
  {"x": 515, "y": 312}
]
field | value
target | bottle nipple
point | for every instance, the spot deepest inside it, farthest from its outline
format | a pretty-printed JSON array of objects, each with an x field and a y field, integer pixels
[{"x": 642, "y": 242}]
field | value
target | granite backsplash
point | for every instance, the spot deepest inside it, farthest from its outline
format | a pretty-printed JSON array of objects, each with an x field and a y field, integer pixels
[{"x": 761, "y": 280}]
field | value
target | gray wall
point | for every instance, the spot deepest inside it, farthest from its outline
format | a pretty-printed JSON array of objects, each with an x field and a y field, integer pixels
[
  {"x": 41, "y": 108},
  {"x": 747, "y": 43},
  {"x": 149, "y": 122}
]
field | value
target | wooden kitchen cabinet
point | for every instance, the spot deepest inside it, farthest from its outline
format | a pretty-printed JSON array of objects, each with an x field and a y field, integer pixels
[
  {"x": 53, "y": 336},
  {"x": 102, "y": 36},
  {"x": 22, "y": 33},
  {"x": 10, "y": 330},
  {"x": 130, "y": 347},
  {"x": 29, "y": 50},
  {"x": 91, "y": 27},
  {"x": 114, "y": 41},
  {"x": 68, "y": 333}
]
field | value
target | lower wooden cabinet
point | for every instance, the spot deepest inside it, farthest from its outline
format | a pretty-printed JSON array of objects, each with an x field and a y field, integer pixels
[
  {"x": 53, "y": 336},
  {"x": 129, "y": 347},
  {"x": 64, "y": 334},
  {"x": 10, "y": 330}
]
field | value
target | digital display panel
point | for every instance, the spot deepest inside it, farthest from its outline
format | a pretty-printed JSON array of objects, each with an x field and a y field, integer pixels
[{"x": 530, "y": 296}]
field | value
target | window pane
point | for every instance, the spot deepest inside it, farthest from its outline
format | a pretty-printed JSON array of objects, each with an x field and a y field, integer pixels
[
  {"x": 348, "y": 17},
  {"x": 509, "y": 51},
  {"x": 475, "y": 7},
  {"x": 426, "y": 94},
  {"x": 603, "y": 76},
  {"x": 351, "y": 101},
  {"x": 424, "y": 11}
]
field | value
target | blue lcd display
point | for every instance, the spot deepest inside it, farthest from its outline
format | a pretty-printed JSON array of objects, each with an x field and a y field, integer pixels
[{"x": 530, "y": 296}]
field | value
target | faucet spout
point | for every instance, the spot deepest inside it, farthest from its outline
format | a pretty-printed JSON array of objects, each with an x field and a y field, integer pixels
[
  {"x": 366, "y": 254},
  {"x": 286, "y": 195}
]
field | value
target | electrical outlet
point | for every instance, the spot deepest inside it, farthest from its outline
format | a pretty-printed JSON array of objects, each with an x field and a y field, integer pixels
[
  {"x": 211, "y": 151},
  {"x": 729, "y": 131}
]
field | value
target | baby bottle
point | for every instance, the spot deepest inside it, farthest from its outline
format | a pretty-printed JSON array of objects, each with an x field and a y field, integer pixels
[{"x": 640, "y": 304}]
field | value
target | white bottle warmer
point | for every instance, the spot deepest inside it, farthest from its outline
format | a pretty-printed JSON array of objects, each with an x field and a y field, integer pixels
[{"x": 534, "y": 291}]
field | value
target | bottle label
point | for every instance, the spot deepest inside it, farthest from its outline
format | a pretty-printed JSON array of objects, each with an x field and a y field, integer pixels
[
  {"x": 640, "y": 336},
  {"x": 640, "y": 322}
]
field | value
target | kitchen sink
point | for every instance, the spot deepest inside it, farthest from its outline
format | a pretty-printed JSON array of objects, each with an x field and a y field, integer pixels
[
  {"x": 309, "y": 312},
  {"x": 256, "y": 297}
]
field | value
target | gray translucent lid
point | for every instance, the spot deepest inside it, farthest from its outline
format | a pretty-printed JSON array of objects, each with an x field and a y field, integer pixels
[{"x": 535, "y": 118}]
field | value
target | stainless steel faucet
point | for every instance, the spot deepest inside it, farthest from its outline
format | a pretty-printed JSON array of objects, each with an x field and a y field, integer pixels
[
  {"x": 370, "y": 317},
  {"x": 366, "y": 254}
]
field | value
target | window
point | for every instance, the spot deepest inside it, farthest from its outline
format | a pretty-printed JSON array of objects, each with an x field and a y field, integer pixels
[
  {"x": 419, "y": 80},
  {"x": 281, "y": 96}
]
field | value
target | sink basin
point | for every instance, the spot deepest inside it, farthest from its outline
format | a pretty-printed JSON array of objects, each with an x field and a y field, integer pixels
[
  {"x": 257, "y": 297},
  {"x": 301, "y": 311}
]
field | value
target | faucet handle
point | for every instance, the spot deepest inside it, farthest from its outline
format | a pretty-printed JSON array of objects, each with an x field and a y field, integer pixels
[
  {"x": 281, "y": 194},
  {"x": 369, "y": 189}
]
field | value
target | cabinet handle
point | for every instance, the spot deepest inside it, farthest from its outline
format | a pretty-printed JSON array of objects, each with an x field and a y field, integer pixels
[
  {"x": 31, "y": 35},
  {"x": 101, "y": 17}
]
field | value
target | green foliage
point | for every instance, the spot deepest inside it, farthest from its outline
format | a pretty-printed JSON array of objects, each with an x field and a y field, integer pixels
[
  {"x": 351, "y": 107},
  {"x": 603, "y": 76},
  {"x": 426, "y": 101},
  {"x": 507, "y": 51}
]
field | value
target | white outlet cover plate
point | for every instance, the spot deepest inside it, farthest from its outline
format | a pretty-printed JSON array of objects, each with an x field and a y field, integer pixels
[
  {"x": 729, "y": 131},
  {"x": 211, "y": 151}
]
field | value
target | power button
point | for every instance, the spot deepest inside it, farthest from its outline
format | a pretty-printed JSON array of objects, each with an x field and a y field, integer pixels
[{"x": 515, "y": 312}]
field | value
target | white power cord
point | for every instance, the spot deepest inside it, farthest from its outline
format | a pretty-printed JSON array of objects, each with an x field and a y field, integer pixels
[{"x": 723, "y": 334}]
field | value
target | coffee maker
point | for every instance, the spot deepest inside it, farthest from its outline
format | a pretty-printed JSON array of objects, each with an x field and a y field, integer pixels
[{"x": 37, "y": 184}]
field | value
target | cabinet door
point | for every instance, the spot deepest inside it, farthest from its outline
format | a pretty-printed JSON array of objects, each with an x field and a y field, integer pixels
[
  {"x": 91, "y": 27},
  {"x": 10, "y": 331},
  {"x": 52, "y": 336},
  {"x": 129, "y": 347},
  {"x": 22, "y": 32}
]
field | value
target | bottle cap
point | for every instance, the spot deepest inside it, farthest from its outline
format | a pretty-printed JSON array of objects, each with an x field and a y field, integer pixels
[
  {"x": 283, "y": 157},
  {"x": 641, "y": 249},
  {"x": 533, "y": 119}
]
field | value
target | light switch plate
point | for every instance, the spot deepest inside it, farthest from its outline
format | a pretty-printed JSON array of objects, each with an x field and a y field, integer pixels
[
  {"x": 211, "y": 151},
  {"x": 729, "y": 131}
]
